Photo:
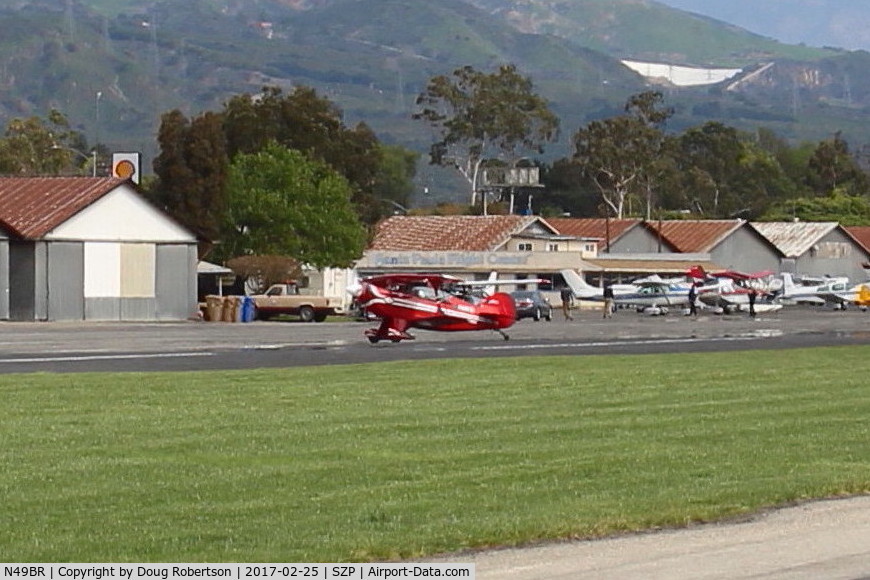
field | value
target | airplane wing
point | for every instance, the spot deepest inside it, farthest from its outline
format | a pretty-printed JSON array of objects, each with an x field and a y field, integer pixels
[
  {"x": 836, "y": 298},
  {"x": 435, "y": 280}
]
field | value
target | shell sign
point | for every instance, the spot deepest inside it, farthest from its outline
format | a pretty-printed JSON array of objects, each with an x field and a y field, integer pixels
[{"x": 126, "y": 166}]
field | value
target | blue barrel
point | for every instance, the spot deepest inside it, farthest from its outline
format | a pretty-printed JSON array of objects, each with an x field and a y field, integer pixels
[{"x": 248, "y": 309}]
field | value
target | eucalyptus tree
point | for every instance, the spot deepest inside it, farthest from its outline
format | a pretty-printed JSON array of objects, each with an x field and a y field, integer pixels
[
  {"x": 729, "y": 173},
  {"x": 623, "y": 155},
  {"x": 831, "y": 167},
  {"x": 35, "y": 146},
  {"x": 481, "y": 116}
]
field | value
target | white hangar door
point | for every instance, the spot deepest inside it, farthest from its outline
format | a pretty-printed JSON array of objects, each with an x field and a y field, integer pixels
[{"x": 119, "y": 281}]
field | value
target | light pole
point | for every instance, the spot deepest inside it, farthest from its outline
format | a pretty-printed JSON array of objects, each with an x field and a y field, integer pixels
[
  {"x": 92, "y": 157},
  {"x": 97, "y": 119}
]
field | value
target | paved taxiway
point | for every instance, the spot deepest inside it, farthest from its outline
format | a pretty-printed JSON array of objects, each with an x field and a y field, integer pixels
[{"x": 77, "y": 347}]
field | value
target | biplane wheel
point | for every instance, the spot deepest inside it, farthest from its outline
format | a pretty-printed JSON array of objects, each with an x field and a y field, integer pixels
[{"x": 373, "y": 339}]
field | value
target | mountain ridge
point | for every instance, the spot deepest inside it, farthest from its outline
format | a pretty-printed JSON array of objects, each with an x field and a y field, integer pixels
[{"x": 373, "y": 57}]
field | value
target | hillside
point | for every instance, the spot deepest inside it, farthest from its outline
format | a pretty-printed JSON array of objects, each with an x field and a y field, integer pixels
[{"x": 114, "y": 66}]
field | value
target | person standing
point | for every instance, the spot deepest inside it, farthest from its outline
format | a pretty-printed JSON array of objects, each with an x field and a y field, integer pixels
[
  {"x": 608, "y": 301},
  {"x": 567, "y": 302},
  {"x": 693, "y": 300},
  {"x": 753, "y": 294}
]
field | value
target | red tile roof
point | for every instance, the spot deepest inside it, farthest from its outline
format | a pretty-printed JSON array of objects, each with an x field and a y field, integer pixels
[
  {"x": 30, "y": 207},
  {"x": 695, "y": 236},
  {"x": 596, "y": 228},
  {"x": 861, "y": 234},
  {"x": 447, "y": 233}
]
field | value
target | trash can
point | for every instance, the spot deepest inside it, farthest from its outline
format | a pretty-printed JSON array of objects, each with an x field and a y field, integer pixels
[
  {"x": 214, "y": 306},
  {"x": 248, "y": 309},
  {"x": 229, "y": 310}
]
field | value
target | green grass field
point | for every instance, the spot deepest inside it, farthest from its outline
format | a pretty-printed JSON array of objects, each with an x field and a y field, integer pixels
[{"x": 370, "y": 462}]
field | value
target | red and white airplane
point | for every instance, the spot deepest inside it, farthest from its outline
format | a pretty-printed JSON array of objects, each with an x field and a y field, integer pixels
[
  {"x": 433, "y": 302},
  {"x": 729, "y": 290}
]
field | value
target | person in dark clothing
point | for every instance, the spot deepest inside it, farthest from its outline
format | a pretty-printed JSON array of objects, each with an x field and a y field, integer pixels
[
  {"x": 752, "y": 296},
  {"x": 608, "y": 301},
  {"x": 567, "y": 301},
  {"x": 693, "y": 300}
]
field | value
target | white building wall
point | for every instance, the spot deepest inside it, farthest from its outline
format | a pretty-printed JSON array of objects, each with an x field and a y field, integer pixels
[{"x": 121, "y": 215}]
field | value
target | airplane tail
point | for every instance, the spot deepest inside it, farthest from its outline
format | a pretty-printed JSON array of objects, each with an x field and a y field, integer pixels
[
  {"x": 697, "y": 272},
  {"x": 579, "y": 286},
  {"x": 788, "y": 285},
  {"x": 490, "y": 289},
  {"x": 506, "y": 309},
  {"x": 863, "y": 298}
]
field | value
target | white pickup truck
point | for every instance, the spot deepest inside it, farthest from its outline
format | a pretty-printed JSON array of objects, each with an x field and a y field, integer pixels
[{"x": 286, "y": 299}]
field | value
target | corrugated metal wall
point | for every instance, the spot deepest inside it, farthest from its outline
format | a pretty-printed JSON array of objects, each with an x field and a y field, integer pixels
[
  {"x": 65, "y": 281},
  {"x": 22, "y": 289},
  {"x": 745, "y": 252},
  {"x": 4, "y": 278},
  {"x": 176, "y": 281}
]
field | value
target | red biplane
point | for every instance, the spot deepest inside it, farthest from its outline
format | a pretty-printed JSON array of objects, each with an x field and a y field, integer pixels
[{"x": 433, "y": 302}]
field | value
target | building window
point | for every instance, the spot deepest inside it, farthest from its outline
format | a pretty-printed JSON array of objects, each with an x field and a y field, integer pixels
[
  {"x": 552, "y": 247},
  {"x": 524, "y": 247}
]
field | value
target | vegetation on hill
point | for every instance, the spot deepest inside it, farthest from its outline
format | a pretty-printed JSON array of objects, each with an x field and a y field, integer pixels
[{"x": 114, "y": 68}]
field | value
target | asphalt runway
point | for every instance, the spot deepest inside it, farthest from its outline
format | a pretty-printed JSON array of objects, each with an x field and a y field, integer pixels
[{"x": 203, "y": 346}]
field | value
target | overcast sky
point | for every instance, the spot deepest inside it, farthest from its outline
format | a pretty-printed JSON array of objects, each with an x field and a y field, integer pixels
[{"x": 837, "y": 23}]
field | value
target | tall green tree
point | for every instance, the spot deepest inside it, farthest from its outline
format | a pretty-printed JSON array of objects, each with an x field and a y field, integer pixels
[
  {"x": 831, "y": 167},
  {"x": 191, "y": 173},
  {"x": 281, "y": 202},
  {"x": 728, "y": 173},
  {"x": 481, "y": 116},
  {"x": 394, "y": 178},
  {"x": 623, "y": 155},
  {"x": 614, "y": 154},
  {"x": 36, "y": 146},
  {"x": 307, "y": 122}
]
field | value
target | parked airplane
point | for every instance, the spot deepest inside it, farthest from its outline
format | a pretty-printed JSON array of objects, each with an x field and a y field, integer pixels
[
  {"x": 653, "y": 294},
  {"x": 841, "y": 296},
  {"x": 730, "y": 290},
  {"x": 807, "y": 293},
  {"x": 585, "y": 291}
]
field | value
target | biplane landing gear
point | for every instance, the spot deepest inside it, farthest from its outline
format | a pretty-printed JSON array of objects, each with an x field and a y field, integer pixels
[
  {"x": 375, "y": 335},
  {"x": 503, "y": 334}
]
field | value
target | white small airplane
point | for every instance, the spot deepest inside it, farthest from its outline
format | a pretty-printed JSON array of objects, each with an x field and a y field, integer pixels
[
  {"x": 842, "y": 296},
  {"x": 807, "y": 293},
  {"x": 651, "y": 295},
  {"x": 584, "y": 291}
]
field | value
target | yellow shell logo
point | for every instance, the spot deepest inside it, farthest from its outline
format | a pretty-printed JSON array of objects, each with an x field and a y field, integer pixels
[{"x": 125, "y": 169}]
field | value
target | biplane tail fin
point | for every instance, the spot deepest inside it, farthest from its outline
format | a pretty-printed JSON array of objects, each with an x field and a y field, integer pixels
[{"x": 506, "y": 309}]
